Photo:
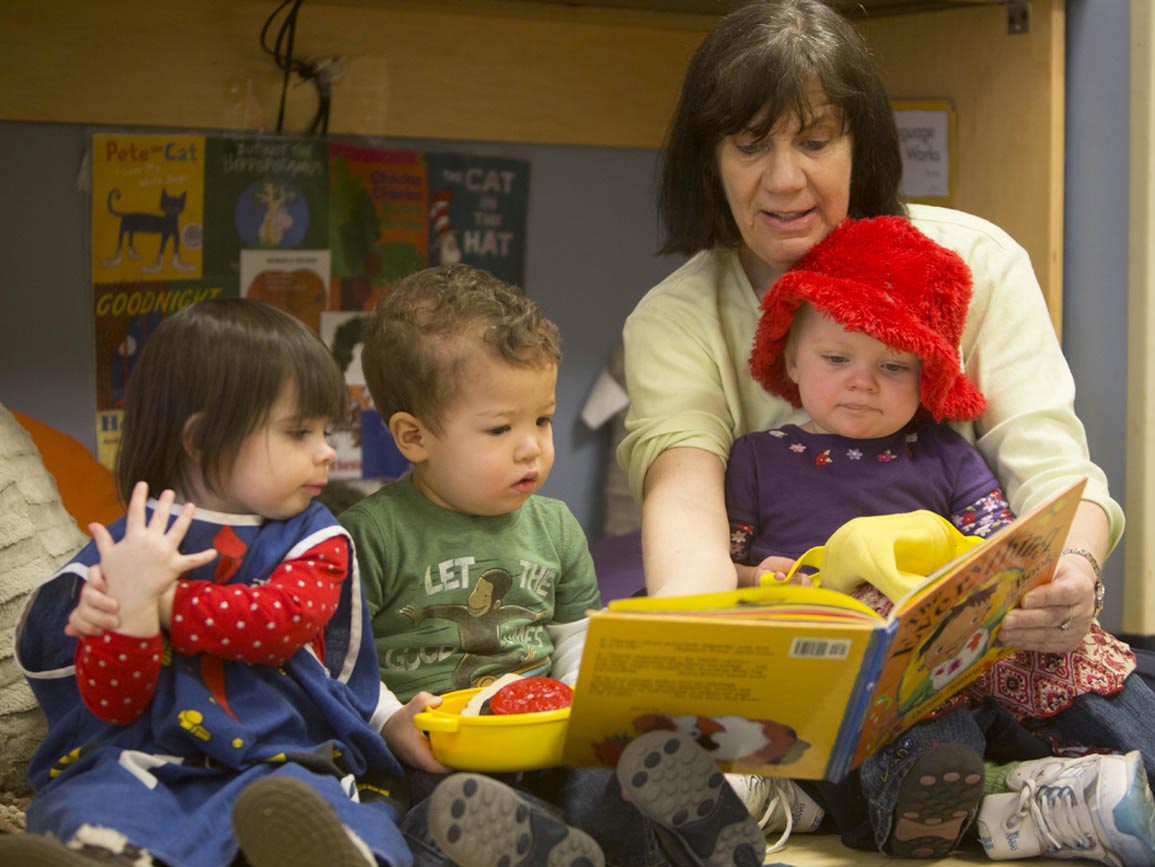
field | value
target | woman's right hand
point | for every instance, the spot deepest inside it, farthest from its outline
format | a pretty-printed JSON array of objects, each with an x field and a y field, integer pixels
[{"x": 685, "y": 533}]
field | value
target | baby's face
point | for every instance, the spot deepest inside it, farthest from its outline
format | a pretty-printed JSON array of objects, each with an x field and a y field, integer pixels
[
  {"x": 495, "y": 448},
  {"x": 850, "y": 383}
]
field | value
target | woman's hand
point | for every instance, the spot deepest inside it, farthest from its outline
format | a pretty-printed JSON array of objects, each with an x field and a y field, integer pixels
[
  {"x": 1069, "y": 598},
  {"x": 408, "y": 742}
]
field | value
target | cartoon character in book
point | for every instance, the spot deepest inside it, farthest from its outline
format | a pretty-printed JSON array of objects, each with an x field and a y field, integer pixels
[
  {"x": 166, "y": 224},
  {"x": 960, "y": 638},
  {"x": 732, "y": 739}
]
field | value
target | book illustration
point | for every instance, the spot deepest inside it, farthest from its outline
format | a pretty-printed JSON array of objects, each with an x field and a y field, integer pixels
[
  {"x": 804, "y": 682},
  {"x": 727, "y": 738},
  {"x": 165, "y": 225}
]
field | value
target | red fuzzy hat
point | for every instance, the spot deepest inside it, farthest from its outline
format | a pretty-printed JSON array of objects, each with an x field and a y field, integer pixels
[{"x": 885, "y": 278}]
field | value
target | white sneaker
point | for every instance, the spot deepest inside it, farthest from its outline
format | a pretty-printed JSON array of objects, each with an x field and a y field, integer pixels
[
  {"x": 1096, "y": 807},
  {"x": 778, "y": 805}
]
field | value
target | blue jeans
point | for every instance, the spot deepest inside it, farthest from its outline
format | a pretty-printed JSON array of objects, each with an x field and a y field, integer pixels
[
  {"x": 585, "y": 798},
  {"x": 862, "y": 806}
]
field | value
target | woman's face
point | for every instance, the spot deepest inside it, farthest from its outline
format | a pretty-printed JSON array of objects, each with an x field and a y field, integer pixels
[{"x": 787, "y": 190}]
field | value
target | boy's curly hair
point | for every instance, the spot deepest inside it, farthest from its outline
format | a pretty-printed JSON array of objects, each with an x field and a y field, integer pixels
[{"x": 420, "y": 338}]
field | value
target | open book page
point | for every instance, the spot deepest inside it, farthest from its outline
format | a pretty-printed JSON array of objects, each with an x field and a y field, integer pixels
[
  {"x": 946, "y": 629},
  {"x": 769, "y": 601},
  {"x": 759, "y": 694}
]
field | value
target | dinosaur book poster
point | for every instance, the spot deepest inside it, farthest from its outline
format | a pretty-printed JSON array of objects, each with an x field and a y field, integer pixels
[{"x": 319, "y": 228}]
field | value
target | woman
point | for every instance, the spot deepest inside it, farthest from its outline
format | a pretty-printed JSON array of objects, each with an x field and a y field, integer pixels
[{"x": 782, "y": 130}]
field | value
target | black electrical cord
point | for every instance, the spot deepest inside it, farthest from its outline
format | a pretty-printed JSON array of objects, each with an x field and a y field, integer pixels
[{"x": 282, "y": 54}]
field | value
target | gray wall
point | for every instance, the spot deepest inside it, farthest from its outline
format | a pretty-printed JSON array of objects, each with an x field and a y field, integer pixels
[
  {"x": 592, "y": 233},
  {"x": 1096, "y": 240}
]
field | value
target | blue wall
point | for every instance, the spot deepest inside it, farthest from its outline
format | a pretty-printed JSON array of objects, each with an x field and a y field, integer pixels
[{"x": 1095, "y": 236}]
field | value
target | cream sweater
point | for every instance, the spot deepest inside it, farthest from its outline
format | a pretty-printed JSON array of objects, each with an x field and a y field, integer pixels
[{"x": 688, "y": 345}]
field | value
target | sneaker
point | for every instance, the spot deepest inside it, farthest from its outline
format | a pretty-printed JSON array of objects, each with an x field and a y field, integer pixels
[
  {"x": 699, "y": 820},
  {"x": 478, "y": 821},
  {"x": 1095, "y": 807},
  {"x": 937, "y": 799},
  {"x": 777, "y": 806},
  {"x": 281, "y": 821}
]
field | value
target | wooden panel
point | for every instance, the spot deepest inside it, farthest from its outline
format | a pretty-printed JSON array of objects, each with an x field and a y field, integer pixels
[
  {"x": 1007, "y": 92},
  {"x": 1139, "y": 541},
  {"x": 483, "y": 71},
  {"x": 530, "y": 72}
]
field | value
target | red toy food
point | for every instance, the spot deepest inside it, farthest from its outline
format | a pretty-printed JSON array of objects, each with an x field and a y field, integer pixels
[{"x": 531, "y": 695}]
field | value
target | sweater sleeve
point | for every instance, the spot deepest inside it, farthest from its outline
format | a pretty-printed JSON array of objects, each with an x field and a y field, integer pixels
[
  {"x": 116, "y": 674},
  {"x": 264, "y": 623},
  {"x": 1029, "y": 434}
]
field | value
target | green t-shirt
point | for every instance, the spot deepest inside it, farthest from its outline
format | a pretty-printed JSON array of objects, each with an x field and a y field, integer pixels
[{"x": 458, "y": 600}]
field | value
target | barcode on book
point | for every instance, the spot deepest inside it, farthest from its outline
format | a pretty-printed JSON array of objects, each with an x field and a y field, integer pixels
[{"x": 820, "y": 648}]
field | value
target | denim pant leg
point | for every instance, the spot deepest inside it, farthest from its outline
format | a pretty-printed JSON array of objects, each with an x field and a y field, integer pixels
[
  {"x": 591, "y": 799},
  {"x": 882, "y": 773},
  {"x": 1119, "y": 722}
]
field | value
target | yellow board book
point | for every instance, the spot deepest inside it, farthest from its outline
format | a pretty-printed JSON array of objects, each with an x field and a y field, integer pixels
[{"x": 804, "y": 682}]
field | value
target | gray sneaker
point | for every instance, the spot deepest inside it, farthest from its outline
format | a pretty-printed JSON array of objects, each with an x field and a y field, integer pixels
[
  {"x": 699, "y": 820},
  {"x": 1097, "y": 808},
  {"x": 481, "y": 822}
]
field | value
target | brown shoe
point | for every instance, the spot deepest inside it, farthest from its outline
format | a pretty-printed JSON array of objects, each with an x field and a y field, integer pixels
[{"x": 282, "y": 822}]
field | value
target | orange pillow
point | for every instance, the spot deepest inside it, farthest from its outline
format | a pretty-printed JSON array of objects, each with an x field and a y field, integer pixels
[{"x": 87, "y": 488}]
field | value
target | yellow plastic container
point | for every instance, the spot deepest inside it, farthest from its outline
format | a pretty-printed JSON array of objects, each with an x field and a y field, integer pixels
[{"x": 509, "y": 742}]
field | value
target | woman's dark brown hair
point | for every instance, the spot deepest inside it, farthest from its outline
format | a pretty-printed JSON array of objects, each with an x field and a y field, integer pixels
[
  {"x": 221, "y": 364},
  {"x": 751, "y": 70}
]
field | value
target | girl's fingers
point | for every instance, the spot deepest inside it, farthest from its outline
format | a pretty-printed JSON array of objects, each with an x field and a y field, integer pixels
[
  {"x": 134, "y": 516},
  {"x": 162, "y": 511},
  {"x": 102, "y": 538},
  {"x": 200, "y": 558},
  {"x": 181, "y": 524}
]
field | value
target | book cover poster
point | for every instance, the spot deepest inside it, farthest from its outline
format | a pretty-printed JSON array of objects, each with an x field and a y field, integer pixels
[
  {"x": 708, "y": 678},
  {"x": 264, "y": 195},
  {"x": 377, "y": 204},
  {"x": 294, "y": 280},
  {"x": 477, "y": 213},
  {"x": 946, "y": 635},
  {"x": 147, "y": 207},
  {"x": 364, "y": 446}
]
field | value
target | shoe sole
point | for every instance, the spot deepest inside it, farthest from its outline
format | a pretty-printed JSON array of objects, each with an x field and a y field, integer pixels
[
  {"x": 480, "y": 822},
  {"x": 36, "y": 850},
  {"x": 282, "y": 822},
  {"x": 661, "y": 772},
  {"x": 936, "y": 802}
]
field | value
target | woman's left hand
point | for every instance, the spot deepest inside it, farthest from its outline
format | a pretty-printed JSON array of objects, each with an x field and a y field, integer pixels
[{"x": 1038, "y": 622}]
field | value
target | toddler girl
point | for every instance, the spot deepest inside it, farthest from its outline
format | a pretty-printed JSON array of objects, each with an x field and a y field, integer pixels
[{"x": 207, "y": 671}]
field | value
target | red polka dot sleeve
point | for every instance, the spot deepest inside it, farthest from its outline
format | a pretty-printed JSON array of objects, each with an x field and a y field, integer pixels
[
  {"x": 267, "y": 623},
  {"x": 116, "y": 674}
]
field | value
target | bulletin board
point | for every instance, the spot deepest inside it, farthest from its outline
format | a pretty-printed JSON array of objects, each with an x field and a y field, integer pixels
[{"x": 319, "y": 228}]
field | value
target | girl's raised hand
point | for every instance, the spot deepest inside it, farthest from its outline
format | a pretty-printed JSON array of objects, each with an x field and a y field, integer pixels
[{"x": 147, "y": 560}]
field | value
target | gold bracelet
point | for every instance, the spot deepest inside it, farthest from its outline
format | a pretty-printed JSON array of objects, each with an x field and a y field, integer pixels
[
  {"x": 1086, "y": 555},
  {"x": 1100, "y": 590}
]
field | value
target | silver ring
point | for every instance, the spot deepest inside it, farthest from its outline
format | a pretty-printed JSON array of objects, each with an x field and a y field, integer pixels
[{"x": 1066, "y": 624}]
